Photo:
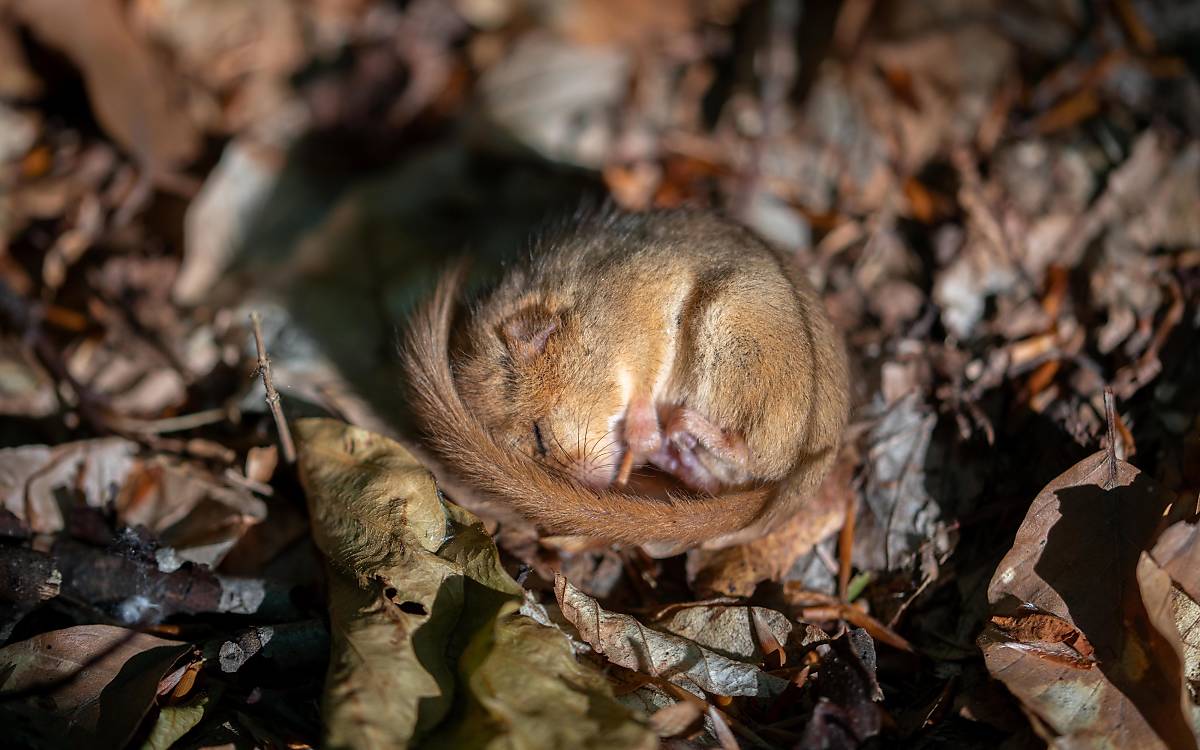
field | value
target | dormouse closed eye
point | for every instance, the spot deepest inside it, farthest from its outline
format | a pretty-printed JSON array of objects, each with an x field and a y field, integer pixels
[{"x": 537, "y": 436}]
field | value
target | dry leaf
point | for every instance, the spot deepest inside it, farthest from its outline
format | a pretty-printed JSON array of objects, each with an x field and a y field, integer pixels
[
  {"x": 190, "y": 510},
  {"x": 87, "y": 686},
  {"x": 423, "y": 616},
  {"x": 729, "y": 630},
  {"x": 899, "y": 515},
  {"x": 1177, "y": 552},
  {"x": 847, "y": 713},
  {"x": 36, "y": 479},
  {"x": 1169, "y": 576},
  {"x": 526, "y": 679},
  {"x": 135, "y": 97},
  {"x": 630, "y": 644},
  {"x": 1076, "y": 557},
  {"x": 1032, "y": 625}
]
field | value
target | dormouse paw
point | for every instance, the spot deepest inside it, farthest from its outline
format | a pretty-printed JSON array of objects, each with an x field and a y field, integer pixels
[{"x": 709, "y": 457}]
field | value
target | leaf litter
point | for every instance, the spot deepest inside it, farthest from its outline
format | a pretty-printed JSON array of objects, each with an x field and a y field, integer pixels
[{"x": 997, "y": 201}]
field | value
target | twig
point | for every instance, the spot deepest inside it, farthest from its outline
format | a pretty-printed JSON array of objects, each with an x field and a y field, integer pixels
[
  {"x": 264, "y": 370},
  {"x": 846, "y": 546},
  {"x": 1110, "y": 416},
  {"x": 253, "y": 485},
  {"x": 179, "y": 423}
]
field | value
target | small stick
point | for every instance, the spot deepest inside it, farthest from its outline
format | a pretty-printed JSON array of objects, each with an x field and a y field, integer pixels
[
  {"x": 846, "y": 545},
  {"x": 626, "y": 469},
  {"x": 1110, "y": 416},
  {"x": 264, "y": 370}
]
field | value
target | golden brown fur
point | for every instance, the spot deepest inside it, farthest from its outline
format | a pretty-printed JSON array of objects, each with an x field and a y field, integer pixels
[{"x": 636, "y": 333}]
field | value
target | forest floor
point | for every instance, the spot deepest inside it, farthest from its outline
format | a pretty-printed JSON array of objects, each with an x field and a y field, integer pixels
[{"x": 999, "y": 202}]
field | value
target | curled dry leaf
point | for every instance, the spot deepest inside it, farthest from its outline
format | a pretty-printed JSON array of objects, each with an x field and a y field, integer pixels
[
  {"x": 735, "y": 631},
  {"x": 630, "y": 644},
  {"x": 1177, "y": 551},
  {"x": 427, "y": 644},
  {"x": 87, "y": 686},
  {"x": 1078, "y": 558},
  {"x": 1046, "y": 635},
  {"x": 1170, "y": 575}
]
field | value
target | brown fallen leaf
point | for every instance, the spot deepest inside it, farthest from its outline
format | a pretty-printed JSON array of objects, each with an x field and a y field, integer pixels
[
  {"x": 86, "y": 686},
  {"x": 1169, "y": 575},
  {"x": 1076, "y": 558},
  {"x": 135, "y": 97},
  {"x": 196, "y": 513},
  {"x": 630, "y": 644},
  {"x": 1177, "y": 552},
  {"x": 739, "y": 632},
  {"x": 1031, "y": 626},
  {"x": 1175, "y": 617}
]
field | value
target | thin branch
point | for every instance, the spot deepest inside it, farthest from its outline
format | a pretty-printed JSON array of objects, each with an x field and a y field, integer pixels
[
  {"x": 264, "y": 371},
  {"x": 1110, "y": 416}
]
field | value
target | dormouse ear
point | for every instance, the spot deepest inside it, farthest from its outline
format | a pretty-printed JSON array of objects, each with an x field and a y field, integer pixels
[{"x": 526, "y": 331}]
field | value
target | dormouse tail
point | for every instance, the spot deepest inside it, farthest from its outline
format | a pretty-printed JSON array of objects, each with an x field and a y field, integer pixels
[{"x": 556, "y": 501}]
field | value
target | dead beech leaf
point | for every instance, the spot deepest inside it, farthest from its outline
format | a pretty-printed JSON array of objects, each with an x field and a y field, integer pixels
[
  {"x": 1076, "y": 557},
  {"x": 737, "y": 570},
  {"x": 1177, "y": 551},
  {"x": 87, "y": 686},
  {"x": 1175, "y": 616},
  {"x": 1169, "y": 576},
  {"x": 1033, "y": 628},
  {"x": 134, "y": 95},
  {"x": 630, "y": 644},
  {"x": 729, "y": 630},
  {"x": 426, "y": 641}
]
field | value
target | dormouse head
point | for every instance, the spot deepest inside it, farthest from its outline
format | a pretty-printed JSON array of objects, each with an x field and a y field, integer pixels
[{"x": 531, "y": 375}]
